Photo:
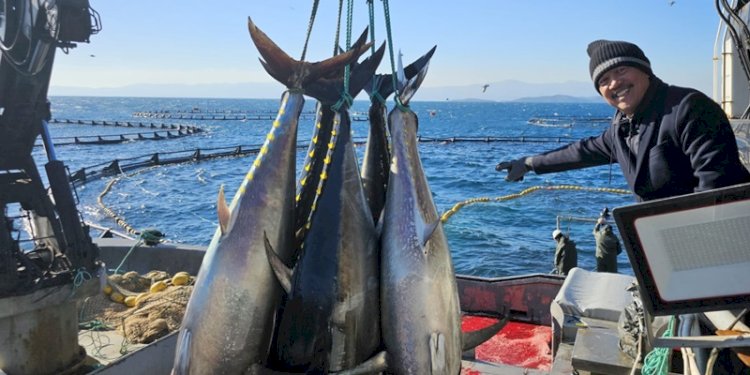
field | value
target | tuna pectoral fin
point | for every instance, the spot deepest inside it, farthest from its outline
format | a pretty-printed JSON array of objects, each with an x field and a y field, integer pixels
[
  {"x": 437, "y": 354},
  {"x": 374, "y": 365},
  {"x": 222, "y": 211},
  {"x": 429, "y": 230},
  {"x": 282, "y": 272},
  {"x": 182, "y": 362},
  {"x": 473, "y": 339}
]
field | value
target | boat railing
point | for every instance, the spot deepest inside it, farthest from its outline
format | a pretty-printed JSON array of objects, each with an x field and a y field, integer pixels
[{"x": 106, "y": 232}]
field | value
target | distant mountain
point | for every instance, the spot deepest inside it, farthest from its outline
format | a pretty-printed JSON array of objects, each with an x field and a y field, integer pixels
[
  {"x": 560, "y": 99},
  {"x": 248, "y": 90},
  {"x": 509, "y": 90},
  {"x": 474, "y": 100}
]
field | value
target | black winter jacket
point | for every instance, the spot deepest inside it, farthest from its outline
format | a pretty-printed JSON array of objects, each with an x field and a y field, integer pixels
[{"x": 687, "y": 145}]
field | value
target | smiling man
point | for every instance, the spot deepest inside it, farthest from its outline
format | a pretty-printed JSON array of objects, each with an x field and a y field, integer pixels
[{"x": 668, "y": 140}]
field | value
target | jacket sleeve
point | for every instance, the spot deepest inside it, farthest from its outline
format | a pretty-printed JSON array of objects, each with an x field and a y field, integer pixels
[
  {"x": 588, "y": 152},
  {"x": 707, "y": 139}
]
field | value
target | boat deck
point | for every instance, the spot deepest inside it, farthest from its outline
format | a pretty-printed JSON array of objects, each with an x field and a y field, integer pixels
[{"x": 523, "y": 346}]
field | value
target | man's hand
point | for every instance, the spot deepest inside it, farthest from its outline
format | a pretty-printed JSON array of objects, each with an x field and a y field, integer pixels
[{"x": 516, "y": 169}]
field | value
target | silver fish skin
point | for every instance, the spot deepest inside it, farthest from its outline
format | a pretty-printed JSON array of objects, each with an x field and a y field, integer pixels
[
  {"x": 228, "y": 324},
  {"x": 376, "y": 160},
  {"x": 327, "y": 90},
  {"x": 331, "y": 310},
  {"x": 229, "y": 321},
  {"x": 330, "y": 321},
  {"x": 312, "y": 168},
  {"x": 420, "y": 307},
  {"x": 421, "y": 316}
]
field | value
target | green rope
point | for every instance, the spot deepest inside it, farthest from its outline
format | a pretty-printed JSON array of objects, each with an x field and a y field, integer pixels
[
  {"x": 150, "y": 237},
  {"x": 338, "y": 29},
  {"x": 138, "y": 242},
  {"x": 346, "y": 98},
  {"x": 657, "y": 359},
  {"x": 309, "y": 28},
  {"x": 396, "y": 93},
  {"x": 349, "y": 14},
  {"x": 95, "y": 325},
  {"x": 376, "y": 95},
  {"x": 371, "y": 11},
  {"x": 80, "y": 277}
]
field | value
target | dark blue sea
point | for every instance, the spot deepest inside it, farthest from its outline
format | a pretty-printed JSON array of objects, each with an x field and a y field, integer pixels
[{"x": 497, "y": 238}]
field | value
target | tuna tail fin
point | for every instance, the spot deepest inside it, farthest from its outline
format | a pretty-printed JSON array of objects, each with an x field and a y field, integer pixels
[
  {"x": 382, "y": 84},
  {"x": 377, "y": 364},
  {"x": 355, "y": 46},
  {"x": 297, "y": 74},
  {"x": 471, "y": 340},
  {"x": 414, "y": 75},
  {"x": 328, "y": 90},
  {"x": 282, "y": 272},
  {"x": 364, "y": 71}
]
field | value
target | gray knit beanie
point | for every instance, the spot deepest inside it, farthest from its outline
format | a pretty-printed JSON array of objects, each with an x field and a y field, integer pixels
[{"x": 608, "y": 54}]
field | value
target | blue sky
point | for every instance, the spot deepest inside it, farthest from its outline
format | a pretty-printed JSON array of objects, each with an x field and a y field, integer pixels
[{"x": 478, "y": 41}]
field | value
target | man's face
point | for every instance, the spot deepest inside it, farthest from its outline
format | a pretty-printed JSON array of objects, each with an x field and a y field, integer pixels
[{"x": 623, "y": 87}]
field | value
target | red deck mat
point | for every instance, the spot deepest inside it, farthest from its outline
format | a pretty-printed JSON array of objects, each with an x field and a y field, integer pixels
[{"x": 517, "y": 344}]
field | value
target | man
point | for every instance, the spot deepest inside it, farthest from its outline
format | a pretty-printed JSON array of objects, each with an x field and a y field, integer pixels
[
  {"x": 668, "y": 140},
  {"x": 566, "y": 253},
  {"x": 607, "y": 247}
]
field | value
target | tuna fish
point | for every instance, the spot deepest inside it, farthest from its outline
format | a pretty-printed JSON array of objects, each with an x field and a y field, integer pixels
[
  {"x": 330, "y": 321},
  {"x": 314, "y": 166},
  {"x": 421, "y": 315},
  {"x": 420, "y": 312},
  {"x": 229, "y": 321},
  {"x": 420, "y": 306},
  {"x": 376, "y": 160}
]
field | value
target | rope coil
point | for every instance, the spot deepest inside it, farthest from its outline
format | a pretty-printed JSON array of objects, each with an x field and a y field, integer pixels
[{"x": 656, "y": 360}]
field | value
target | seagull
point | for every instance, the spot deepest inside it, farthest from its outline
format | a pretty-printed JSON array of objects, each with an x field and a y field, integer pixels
[{"x": 485, "y": 86}]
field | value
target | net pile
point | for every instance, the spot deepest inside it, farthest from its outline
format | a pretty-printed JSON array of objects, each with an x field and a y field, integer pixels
[{"x": 155, "y": 313}]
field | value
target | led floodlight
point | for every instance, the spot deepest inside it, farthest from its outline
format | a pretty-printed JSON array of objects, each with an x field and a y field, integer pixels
[{"x": 690, "y": 253}]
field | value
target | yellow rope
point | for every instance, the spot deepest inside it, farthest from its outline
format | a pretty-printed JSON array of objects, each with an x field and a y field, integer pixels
[
  {"x": 148, "y": 235},
  {"x": 120, "y": 221},
  {"x": 447, "y": 214}
]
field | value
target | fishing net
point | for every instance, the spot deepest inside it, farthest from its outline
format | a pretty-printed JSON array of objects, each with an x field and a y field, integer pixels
[{"x": 155, "y": 314}]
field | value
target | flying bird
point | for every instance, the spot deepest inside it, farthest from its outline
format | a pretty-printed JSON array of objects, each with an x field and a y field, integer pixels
[{"x": 485, "y": 86}]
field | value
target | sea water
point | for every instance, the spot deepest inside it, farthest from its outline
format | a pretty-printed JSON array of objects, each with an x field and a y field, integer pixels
[{"x": 496, "y": 238}]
